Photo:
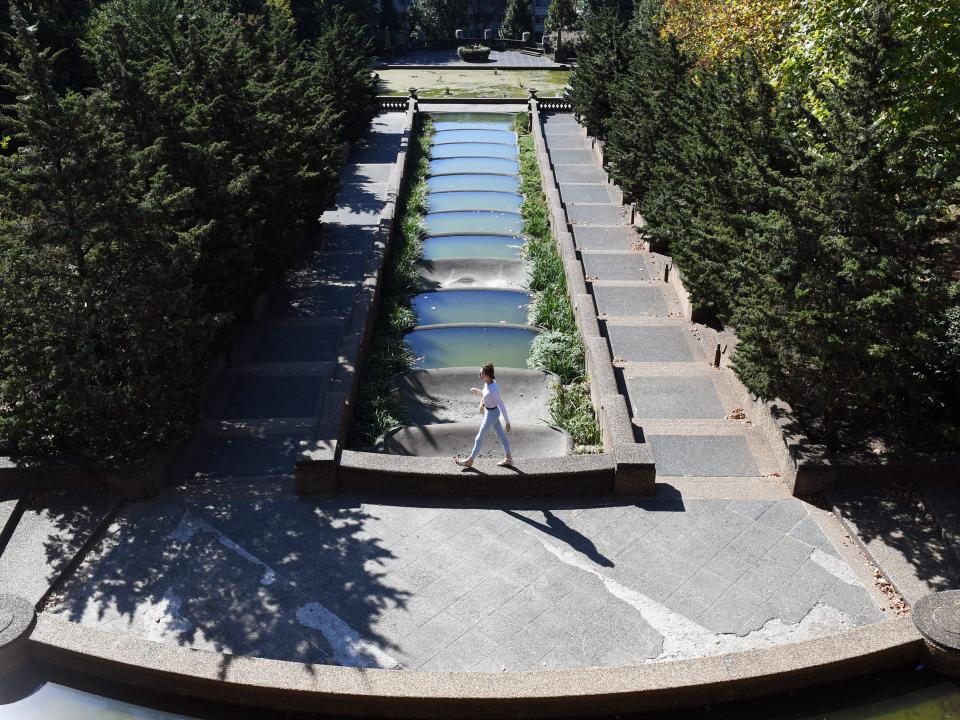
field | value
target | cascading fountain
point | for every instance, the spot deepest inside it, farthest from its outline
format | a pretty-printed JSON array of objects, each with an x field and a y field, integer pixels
[{"x": 475, "y": 305}]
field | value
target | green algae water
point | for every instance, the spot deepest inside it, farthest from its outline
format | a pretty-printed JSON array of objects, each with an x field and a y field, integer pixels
[
  {"x": 474, "y": 182},
  {"x": 480, "y": 165},
  {"x": 466, "y": 346},
  {"x": 473, "y": 150},
  {"x": 472, "y": 306},
  {"x": 499, "y": 247},
  {"x": 468, "y": 135},
  {"x": 474, "y": 221},
  {"x": 474, "y": 200}
]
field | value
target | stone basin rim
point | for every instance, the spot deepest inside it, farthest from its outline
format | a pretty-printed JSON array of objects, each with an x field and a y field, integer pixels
[{"x": 510, "y": 326}]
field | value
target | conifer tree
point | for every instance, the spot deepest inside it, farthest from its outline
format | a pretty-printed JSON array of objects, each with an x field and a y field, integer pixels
[
  {"x": 516, "y": 19},
  {"x": 561, "y": 16},
  {"x": 101, "y": 341},
  {"x": 601, "y": 60}
]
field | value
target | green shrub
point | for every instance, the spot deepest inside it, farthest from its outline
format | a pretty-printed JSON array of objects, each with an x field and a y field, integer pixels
[
  {"x": 473, "y": 53},
  {"x": 557, "y": 352}
]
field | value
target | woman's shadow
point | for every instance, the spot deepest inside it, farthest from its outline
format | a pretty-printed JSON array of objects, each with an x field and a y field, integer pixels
[{"x": 557, "y": 528}]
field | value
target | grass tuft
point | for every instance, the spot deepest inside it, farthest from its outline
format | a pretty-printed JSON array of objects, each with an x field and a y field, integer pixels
[
  {"x": 559, "y": 349},
  {"x": 378, "y": 404}
]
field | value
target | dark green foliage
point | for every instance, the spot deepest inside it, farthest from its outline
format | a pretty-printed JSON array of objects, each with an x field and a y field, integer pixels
[
  {"x": 242, "y": 117},
  {"x": 558, "y": 349},
  {"x": 378, "y": 405},
  {"x": 138, "y": 217},
  {"x": 100, "y": 344},
  {"x": 561, "y": 16},
  {"x": 314, "y": 16},
  {"x": 438, "y": 19},
  {"x": 602, "y": 57},
  {"x": 815, "y": 221},
  {"x": 516, "y": 19},
  {"x": 473, "y": 53}
]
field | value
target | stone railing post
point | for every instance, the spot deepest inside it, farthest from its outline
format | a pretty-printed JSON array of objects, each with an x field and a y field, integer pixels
[
  {"x": 413, "y": 101},
  {"x": 532, "y": 102}
]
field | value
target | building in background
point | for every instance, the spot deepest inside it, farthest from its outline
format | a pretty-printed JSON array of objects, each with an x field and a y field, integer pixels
[{"x": 481, "y": 15}]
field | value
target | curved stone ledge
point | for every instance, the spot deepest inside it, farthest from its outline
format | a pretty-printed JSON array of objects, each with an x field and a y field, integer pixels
[
  {"x": 592, "y": 691},
  {"x": 398, "y": 474},
  {"x": 446, "y": 440}
]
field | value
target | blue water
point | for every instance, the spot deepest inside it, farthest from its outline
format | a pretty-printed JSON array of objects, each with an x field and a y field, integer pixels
[
  {"x": 460, "y": 346},
  {"x": 473, "y": 150},
  {"x": 486, "y": 136},
  {"x": 481, "y": 165},
  {"x": 470, "y": 200},
  {"x": 472, "y": 306},
  {"x": 502, "y": 247},
  {"x": 472, "y": 222},
  {"x": 493, "y": 183}
]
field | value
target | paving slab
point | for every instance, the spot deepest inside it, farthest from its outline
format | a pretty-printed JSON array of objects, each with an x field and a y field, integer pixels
[
  {"x": 306, "y": 297},
  {"x": 50, "y": 531},
  {"x": 275, "y": 397},
  {"x": 605, "y": 239},
  {"x": 674, "y": 397},
  {"x": 702, "y": 455},
  {"x": 597, "y": 214},
  {"x": 573, "y": 193},
  {"x": 298, "y": 343},
  {"x": 571, "y": 157},
  {"x": 612, "y": 266},
  {"x": 649, "y": 343},
  {"x": 580, "y": 174},
  {"x": 629, "y": 301},
  {"x": 498, "y": 58},
  {"x": 219, "y": 456},
  {"x": 900, "y": 535},
  {"x": 445, "y": 587}
]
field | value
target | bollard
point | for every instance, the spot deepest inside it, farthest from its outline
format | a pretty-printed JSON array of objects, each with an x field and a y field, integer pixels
[
  {"x": 937, "y": 617},
  {"x": 716, "y": 356}
]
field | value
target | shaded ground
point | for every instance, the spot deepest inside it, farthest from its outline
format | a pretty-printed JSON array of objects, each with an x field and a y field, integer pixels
[
  {"x": 255, "y": 570},
  {"x": 473, "y": 83}
]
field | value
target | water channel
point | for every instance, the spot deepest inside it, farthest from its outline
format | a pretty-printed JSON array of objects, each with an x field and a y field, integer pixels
[{"x": 476, "y": 307}]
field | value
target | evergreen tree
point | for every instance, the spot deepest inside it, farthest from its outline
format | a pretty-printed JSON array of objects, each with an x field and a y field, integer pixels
[
  {"x": 516, "y": 20},
  {"x": 641, "y": 122},
  {"x": 857, "y": 332},
  {"x": 344, "y": 57},
  {"x": 601, "y": 60},
  {"x": 101, "y": 342},
  {"x": 388, "y": 18},
  {"x": 439, "y": 19},
  {"x": 561, "y": 16}
]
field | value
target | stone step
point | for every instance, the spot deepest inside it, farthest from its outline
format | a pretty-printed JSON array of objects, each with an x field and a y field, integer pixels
[
  {"x": 450, "y": 439},
  {"x": 570, "y": 142},
  {"x": 615, "y": 266},
  {"x": 602, "y": 214},
  {"x": 580, "y": 193},
  {"x": 702, "y": 455},
  {"x": 48, "y": 535},
  {"x": 442, "y": 395},
  {"x": 651, "y": 298},
  {"x": 294, "y": 340},
  {"x": 264, "y": 391},
  {"x": 580, "y": 174},
  {"x": 314, "y": 266},
  {"x": 314, "y": 298},
  {"x": 237, "y": 456},
  {"x": 559, "y": 156},
  {"x": 653, "y": 343},
  {"x": 620, "y": 239},
  {"x": 9, "y": 515}
]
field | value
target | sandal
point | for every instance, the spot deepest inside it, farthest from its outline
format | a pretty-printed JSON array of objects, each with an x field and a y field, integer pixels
[
  {"x": 467, "y": 462},
  {"x": 506, "y": 462}
]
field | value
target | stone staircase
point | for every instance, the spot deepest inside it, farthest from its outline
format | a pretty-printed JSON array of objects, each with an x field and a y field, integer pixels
[{"x": 680, "y": 404}]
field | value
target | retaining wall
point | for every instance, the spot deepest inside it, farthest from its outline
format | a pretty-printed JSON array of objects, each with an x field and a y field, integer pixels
[{"x": 274, "y": 684}]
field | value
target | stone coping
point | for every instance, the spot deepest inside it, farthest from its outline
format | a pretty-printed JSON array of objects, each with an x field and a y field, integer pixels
[
  {"x": 664, "y": 685},
  {"x": 371, "y": 472},
  {"x": 466, "y": 66}
]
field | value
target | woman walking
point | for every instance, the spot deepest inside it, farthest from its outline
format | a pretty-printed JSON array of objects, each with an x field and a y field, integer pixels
[{"x": 492, "y": 407}]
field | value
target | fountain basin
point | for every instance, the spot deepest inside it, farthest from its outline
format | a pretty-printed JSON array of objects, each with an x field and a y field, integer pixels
[
  {"x": 467, "y": 165},
  {"x": 474, "y": 150},
  {"x": 444, "y": 307},
  {"x": 464, "y": 222},
  {"x": 474, "y": 273},
  {"x": 474, "y": 182},
  {"x": 447, "y": 440},
  {"x": 441, "y": 247},
  {"x": 444, "y": 346},
  {"x": 504, "y": 137},
  {"x": 474, "y": 200}
]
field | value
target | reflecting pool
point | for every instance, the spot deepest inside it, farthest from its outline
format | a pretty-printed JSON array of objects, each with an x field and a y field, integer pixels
[
  {"x": 465, "y": 346},
  {"x": 501, "y": 247},
  {"x": 471, "y": 200},
  {"x": 482, "y": 165},
  {"x": 472, "y": 306}
]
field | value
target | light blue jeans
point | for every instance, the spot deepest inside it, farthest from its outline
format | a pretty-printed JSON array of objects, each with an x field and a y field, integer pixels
[{"x": 491, "y": 418}]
